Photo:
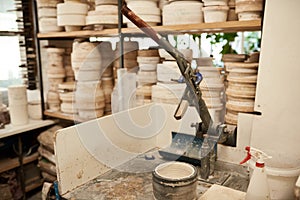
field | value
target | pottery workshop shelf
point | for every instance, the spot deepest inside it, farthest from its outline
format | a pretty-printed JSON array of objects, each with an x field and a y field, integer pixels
[
  {"x": 11, "y": 163},
  {"x": 60, "y": 115},
  {"x": 33, "y": 124},
  {"x": 229, "y": 26},
  {"x": 65, "y": 116}
]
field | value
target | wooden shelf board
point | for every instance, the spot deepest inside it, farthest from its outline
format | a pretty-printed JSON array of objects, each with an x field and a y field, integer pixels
[
  {"x": 229, "y": 26},
  {"x": 33, "y": 185},
  {"x": 10, "y": 129},
  {"x": 31, "y": 158},
  {"x": 60, "y": 115},
  {"x": 76, "y": 34},
  {"x": 11, "y": 163}
]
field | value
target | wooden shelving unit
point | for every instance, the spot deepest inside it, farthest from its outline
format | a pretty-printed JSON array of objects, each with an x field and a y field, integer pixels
[
  {"x": 34, "y": 185},
  {"x": 65, "y": 116},
  {"x": 11, "y": 163},
  {"x": 11, "y": 130},
  {"x": 230, "y": 26},
  {"x": 61, "y": 115}
]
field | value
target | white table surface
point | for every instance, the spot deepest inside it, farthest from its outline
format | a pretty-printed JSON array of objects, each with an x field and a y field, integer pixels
[{"x": 10, "y": 130}]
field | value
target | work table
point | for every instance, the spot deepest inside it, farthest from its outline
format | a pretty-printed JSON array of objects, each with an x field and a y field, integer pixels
[{"x": 133, "y": 180}]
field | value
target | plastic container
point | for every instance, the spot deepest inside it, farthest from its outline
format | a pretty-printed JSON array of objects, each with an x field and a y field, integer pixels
[
  {"x": 182, "y": 12},
  {"x": 17, "y": 95},
  {"x": 258, "y": 188},
  {"x": 281, "y": 180},
  {"x": 17, "y": 98},
  {"x": 18, "y": 114}
]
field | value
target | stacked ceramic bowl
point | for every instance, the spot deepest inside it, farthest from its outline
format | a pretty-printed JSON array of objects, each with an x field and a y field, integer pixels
[
  {"x": 107, "y": 73},
  {"x": 215, "y": 10},
  {"x": 240, "y": 93},
  {"x": 56, "y": 75},
  {"x": 249, "y": 9},
  {"x": 130, "y": 57},
  {"x": 47, "y": 16},
  {"x": 231, "y": 58},
  {"x": 212, "y": 87},
  {"x": 86, "y": 63},
  {"x": 67, "y": 97},
  {"x": 168, "y": 90},
  {"x": 89, "y": 99},
  {"x": 146, "y": 77},
  {"x": 71, "y": 15},
  {"x": 146, "y": 9},
  {"x": 182, "y": 12},
  {"x": 169, "y": 93},
  {"x": 168, "y": 72},
  {"x": 105, "y": 15}
]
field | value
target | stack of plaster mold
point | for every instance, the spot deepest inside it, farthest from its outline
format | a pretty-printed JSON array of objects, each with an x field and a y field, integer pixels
[
  {"x": 71, "y": 15},
  {"x": 146, "y": 76},
  {"x": 130, "y": 57},
  {"x": 105, "y": 15},
  {"x": 67, "y": 97},
  {"x": 212, "y": 87},
  {"x": 240, "y": 93},
  {"x": 249, "y": 9},
  {"x": 56, "y": 75},
  {"x": 89, "y": 99},
  {"x": 168, "y": 90},
  {"x": 215, "y": 10},
  {"x": 47, "y": 15},
  {"x": 147, "y": 10},
  {"x": 182, "y": 12},
  {"x": 86, "y": 61}
]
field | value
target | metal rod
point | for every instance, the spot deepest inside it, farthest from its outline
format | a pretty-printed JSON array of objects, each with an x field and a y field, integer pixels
[
  {"x": 21, "y": 168},
  {"x": 38, "y": 56},
  {"x": 192, "y": 90},
  {"x": 121, "y": 37}
]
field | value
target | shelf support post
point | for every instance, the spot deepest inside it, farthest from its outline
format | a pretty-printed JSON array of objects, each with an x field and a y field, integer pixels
[{"x": 121, "y": 37}]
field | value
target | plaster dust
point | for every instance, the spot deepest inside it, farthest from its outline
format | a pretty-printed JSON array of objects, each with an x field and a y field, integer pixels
[{"x": 124, "y": 186}]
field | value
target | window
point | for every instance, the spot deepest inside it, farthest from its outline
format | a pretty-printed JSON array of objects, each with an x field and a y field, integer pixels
[{"x": 10, "y": 58}]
